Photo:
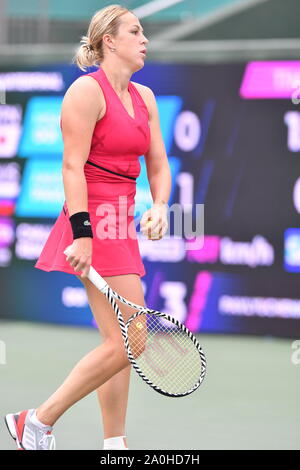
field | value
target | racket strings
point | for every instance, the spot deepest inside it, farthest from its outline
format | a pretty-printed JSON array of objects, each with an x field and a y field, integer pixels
[
  {"x": 164, "y": 352},
  {"x": 166, "y": 372}
]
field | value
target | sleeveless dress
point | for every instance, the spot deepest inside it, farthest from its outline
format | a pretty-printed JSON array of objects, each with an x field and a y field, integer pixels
[{"x": 111, "y": 171}]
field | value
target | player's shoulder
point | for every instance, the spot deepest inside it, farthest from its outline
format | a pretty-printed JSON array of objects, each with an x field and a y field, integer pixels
[
  {"x": 143, "y": 89},
  {"x": 83, "y": 84},
  {"x": 85, "y": 91},
  {"x": 147, "y": 95}
]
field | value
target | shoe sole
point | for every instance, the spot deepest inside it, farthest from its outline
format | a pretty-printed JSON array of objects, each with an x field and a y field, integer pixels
[{"x": 11, "y": 426}]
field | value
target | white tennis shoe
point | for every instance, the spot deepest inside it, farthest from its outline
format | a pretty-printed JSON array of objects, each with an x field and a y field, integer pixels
[{"x": 29, "y": 436}]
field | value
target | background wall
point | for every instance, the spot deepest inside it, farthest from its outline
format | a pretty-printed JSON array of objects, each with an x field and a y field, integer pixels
[
  {"x": 226, "y": 75},
  {"x": 231, "y": 133}
]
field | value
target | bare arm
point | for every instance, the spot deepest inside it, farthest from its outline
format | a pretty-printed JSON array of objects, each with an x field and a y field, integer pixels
[
  {"x": 158, "y": 169},
  {"x": 158, "y": 172},
  {"x": 80, "y": 109}
]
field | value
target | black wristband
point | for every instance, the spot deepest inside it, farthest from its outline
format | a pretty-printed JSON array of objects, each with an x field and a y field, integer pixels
[{"x": 81, "y": 225}]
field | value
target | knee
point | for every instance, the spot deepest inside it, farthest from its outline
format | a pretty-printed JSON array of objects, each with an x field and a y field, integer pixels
[{"x": 116, "y": 349}]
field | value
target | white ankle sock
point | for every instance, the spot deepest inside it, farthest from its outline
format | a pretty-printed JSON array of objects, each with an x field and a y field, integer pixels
[
  {"x": 37, "y": 422},
  {"x": 114, "y": 443}
]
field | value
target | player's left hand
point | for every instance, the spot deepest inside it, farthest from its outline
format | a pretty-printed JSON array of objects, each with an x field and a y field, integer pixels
[{"x": 154, "y": 222}]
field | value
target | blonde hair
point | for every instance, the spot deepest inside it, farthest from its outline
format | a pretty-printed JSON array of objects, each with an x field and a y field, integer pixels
[{"x": 105, "y": 21}]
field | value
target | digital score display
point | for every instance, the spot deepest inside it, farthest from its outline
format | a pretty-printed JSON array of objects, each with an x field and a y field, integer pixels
[{"x": 232, "y": 136}]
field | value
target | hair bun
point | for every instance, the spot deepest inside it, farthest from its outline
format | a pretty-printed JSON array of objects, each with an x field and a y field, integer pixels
[
  {"x": 86, "y": 43},
  {"x": 104, "y": 21}
]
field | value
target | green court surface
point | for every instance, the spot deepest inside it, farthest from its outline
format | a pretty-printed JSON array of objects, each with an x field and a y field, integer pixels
[{"x": 249, "y": 399}]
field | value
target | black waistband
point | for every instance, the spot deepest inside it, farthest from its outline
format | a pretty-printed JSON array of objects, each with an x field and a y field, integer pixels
[{"x": 110, "y": 171}]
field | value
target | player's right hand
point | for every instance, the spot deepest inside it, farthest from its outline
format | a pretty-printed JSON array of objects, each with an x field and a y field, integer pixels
[{"x": 80, "y": 255}]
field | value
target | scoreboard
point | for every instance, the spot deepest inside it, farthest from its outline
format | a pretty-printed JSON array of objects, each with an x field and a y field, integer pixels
[{"x": 232, "y": 136}]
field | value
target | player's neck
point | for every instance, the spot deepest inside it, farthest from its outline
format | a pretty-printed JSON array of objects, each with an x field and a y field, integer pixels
[{"x": 118, "y": 77}]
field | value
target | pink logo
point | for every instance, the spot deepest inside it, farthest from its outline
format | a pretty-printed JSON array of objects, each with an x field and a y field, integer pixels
[
  {"x": 207, "y": 252},
  {"x": 267, "y": 80}
]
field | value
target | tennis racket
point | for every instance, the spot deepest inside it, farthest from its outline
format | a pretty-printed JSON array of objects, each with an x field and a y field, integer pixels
[{"x": 165, "y": 354}]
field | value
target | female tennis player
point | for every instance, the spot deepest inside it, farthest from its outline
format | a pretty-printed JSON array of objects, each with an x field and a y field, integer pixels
[{"x": 107, "y": 122}]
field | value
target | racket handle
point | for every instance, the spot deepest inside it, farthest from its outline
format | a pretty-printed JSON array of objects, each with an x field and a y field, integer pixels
[
  {"x": 93, "y": 275},
  {"x": 96, "y": 279}
]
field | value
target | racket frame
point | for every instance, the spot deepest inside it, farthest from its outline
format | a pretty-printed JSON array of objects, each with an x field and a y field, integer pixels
[{"x": 112, "y": 296}]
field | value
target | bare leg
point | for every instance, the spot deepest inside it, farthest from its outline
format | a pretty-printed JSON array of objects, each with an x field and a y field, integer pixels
[
  {"x": 89, "y": 373},
  {"x": 98, "y": 366},
  {"x": 113, "y": 394},
  {"x": 113, "y": 400}
]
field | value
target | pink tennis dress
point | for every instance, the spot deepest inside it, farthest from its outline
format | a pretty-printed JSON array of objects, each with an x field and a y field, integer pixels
[{"x": 111, "y": 171}]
